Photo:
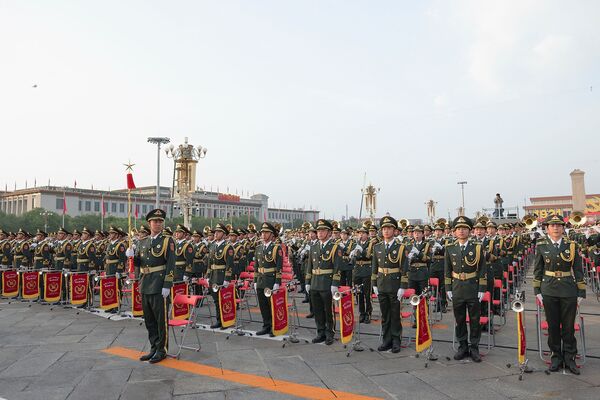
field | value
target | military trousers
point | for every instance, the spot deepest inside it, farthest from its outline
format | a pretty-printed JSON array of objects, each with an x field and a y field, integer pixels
[
  {"x": 322, "y": 306},
  {"x": 560, "y": 314},
  {"x": 346, "y": 277},
  {"x": 215, "y": 296},
  {"x": 460, "y": 308},
  {"x": 365, "y": 307},
  {"x": 264, "y": 303},
  {"x": 391, "y": 329},
  {"x": 155, "y": 318},
  {"x": 441, "y": 298}
]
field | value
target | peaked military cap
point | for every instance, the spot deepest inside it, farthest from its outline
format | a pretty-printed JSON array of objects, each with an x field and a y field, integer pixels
[
  {"x": 181, "y": 228},
  {"x": 462, "y": 222},
  {"x": 438, "y": 227},
  {"x": 418, "y": 228},
  {"x": 86, "y": 230},
  {"x": 268, "y": 227},
  {"x": 373, "y": 228},
  {"x": 63, "y": 230},
  {"x": 388, "y": 221},
  {"x": 22, "y": 231},
  {"x": 41, "y": 232},
  {"x": 3, "y": 232},
  {"x": 196, "y": 232},
  {"x": 222, "y": 228},
  {"x": 554, "y": 220},
  {"x": 167, "y": 231},
  {"x": 479, "y": 224},
  {"x": 157, "y": 214},
  {"x": 76, "y": 232},
  {"x": 323, "y": 224},
  {"x": 491, "y": 224},
  {"x": 145, "y": 229},
  {"x": 113, "y": 229},
  {"x": 233, "y": 232},
  {"x": 427, "y": 228}
]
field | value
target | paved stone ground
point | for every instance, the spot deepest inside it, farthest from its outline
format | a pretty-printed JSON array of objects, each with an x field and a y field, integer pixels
[{"x": 56, "y": 353}]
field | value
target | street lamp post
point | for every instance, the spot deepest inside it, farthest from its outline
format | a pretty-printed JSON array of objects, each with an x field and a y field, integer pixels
[
  {"x": 462, "y": 189},
  {"x": 158, "y": 141},
  {"x": 46, "y": 214},
  {"x": 186, "y": 157}
]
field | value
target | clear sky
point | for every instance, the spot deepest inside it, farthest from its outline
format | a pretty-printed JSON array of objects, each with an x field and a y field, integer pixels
[{"x": 298, "y": 100}]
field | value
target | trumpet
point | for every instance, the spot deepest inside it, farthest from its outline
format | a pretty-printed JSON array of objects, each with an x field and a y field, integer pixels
[
  {"x": 403, "y": 223},
  {"x": 415, "y": 299},
  {"x": 338, "y": 295},
  {"x": 517, "y": 304},
  {"x": 269, "y": 292}
]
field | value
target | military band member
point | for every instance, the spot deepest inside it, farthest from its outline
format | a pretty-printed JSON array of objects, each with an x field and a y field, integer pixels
[
  {"x": 62, "y": 250},
  {"x": 419, "y": 258},
  {"x": 436, "y": 267},
  {"x": 154, "y": 261},
  {"x": 348, "y": 265},
  {"x": 75, "y": 242},
  {"x": 86, "y": 252},
  {"x": 491, "y": 246},
  {"x": 220, "y": 266},
  {"x": 199, "y": 264},
  {"x": 362, "y": 272},
  {"x": 304, "y": 253},
  {"x": 465, "y": 285},
  {"x": 322, "y": 279},
  {"x": 239, "y": 256},
  {"x": 21, "y": 251},
  {"x": 558, "y": 283},
  {"x": 5, "y": 249},
  {"x": 389, "y": 275},
  {"x": 42, "y": 251},
  {"x": 184, "y": 254},
  {"x": 268, "y": 262}
]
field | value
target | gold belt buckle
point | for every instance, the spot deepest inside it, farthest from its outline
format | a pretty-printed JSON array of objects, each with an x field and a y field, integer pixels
[
  {"x": 462, "y": 276},
  {"x": 558, "y": 274},
  {"x": 145, "y": 270}
]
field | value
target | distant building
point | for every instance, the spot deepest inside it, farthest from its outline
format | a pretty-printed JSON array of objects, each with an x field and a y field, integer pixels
[
  {"x": 219, "y": 206},
  {"x": 562, "y": 205}
]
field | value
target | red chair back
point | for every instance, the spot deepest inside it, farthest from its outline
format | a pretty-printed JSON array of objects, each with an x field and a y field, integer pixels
[{"x": 183, "y": 299}]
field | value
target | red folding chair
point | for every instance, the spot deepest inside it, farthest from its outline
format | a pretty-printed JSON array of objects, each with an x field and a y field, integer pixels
[
  {"x": 498, "y": 301},
  {"x": 435, "y": 303},
  {"x": 192, "y": 302}
]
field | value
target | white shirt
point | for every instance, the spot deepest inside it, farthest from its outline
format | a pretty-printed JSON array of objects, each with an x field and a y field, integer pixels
[{"x": 559, "y": 242}]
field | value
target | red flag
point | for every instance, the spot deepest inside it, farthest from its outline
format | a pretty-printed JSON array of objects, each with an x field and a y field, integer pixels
[
  {"x": 64, "y": 205},
  {"x": 279, "y": 310},
  {"x": 423, "y": 334},
  {"x": 137, "y": 207},
  {"x": 346, "y": 318},
  {"x": 130, "y": 184},
  {"x": 522, "y": 343}
]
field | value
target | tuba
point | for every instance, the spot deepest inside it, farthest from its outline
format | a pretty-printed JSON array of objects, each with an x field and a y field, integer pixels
[
  {"x": 530, "y": 221},
  {"x": 441, "y": 222},
  {"x": 577, "y": 218},
  {"x": 403, "y": 223}
]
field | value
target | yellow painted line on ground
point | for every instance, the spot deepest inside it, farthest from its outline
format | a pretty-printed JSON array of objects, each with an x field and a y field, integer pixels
[{"x": 261, "y": 382}]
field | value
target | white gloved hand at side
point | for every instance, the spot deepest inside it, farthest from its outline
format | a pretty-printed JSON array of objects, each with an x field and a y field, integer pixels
[
  {"x": 375, "y": 290},
  {"x": 307, "y": 288},
  {"x": 129, "y": 252},
  {"x": 276, "y": 287},
  {"x": 400, "y": 294},
  {"x": 479, "y": 296},
  {"x": 225, "y": 284},
  {"x": 166, "y": 292},
  {"x": 449, "y": 295}
]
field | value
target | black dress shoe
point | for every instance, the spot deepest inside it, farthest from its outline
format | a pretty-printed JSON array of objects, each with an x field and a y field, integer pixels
[
  {"x": 158, "y": 357},
  {"x": 461, "y": 353},
  {"x": 444, "y": 309},
  {"x": 306, "y": 301},
  {"x": 215, "y": 325},
  {"x": 367, "y": 319},
  {"x": 475, "y": 355},
  {"x": 572, "y": 366},
  {"x": 329, "y": 341},
  {"x": 263, "y": 331},
  {"x": 271, "y": 334},
  {"x": 556, "y": 364},
  {"x": 318, "y": 339},
  {"x": 148, "y": 356},
  {"x": 384, "y": 347},
  {"x": 414, "y": 326},
  {"x": 311, "y": 315},
  {"x": 396, "y": 347}
]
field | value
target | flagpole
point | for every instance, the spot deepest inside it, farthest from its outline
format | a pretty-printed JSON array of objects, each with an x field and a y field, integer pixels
[
  {"x": 130, "y": 185},
  {"x": 102, "y": 212},
  {"x": 64, "y": 207}
]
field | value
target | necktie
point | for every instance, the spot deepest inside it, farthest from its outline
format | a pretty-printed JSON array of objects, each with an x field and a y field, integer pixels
[{"x": 556, "y": 245}]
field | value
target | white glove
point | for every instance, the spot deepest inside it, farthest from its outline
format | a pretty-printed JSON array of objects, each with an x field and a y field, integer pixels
[
  {"x": 307, "y": 288},
  {"x": 129, "y": 252},
  {"x": 254, "y": 284},
  {"x": 540, "y": 298},
  {"x": 358, "y": 248},
  {"x": 225, "y": 284},
  {"x": 375, "y": 290},
  {"x": 166, "y": 292},
  {"x": 579, "y": 300},
  {"x": 480, "y": 296},
  {"x": 276, "y": 287},
  {"x": 334, "y": 289},
  {"x": 33, "y": 245},
  {"x": 207, "y": 282},
  {"x": 117, "y": 275},
  {"x": 186, "y": 278},
  {"x": 400, "y": 294},
  {"x": 449, "y": 295}
]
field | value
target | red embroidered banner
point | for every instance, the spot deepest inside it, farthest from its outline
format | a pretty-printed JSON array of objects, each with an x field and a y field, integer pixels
[
  {"x": 109, "y": 293},
  {"x": 346, "y": 317},
  {"x": 78, "y": 288},
  {"x": 227, "y": 306},
  {"x": 424, "y": 339},
  {"x": 180, "y": 311},
  {"x": 136, "y": 302},
  {"x": 31, "y": 285},
  {"x": 52, "y": 286},
  {"x": 10, "y": 283},
  {"x": 279, "y": 312},
  {"x": 522, "y": 345}
]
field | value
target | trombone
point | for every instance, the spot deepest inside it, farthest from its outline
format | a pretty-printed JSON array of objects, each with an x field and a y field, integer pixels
[
  {"x": 269, "y": 292},
  {"x": 415, "y": 299}
]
